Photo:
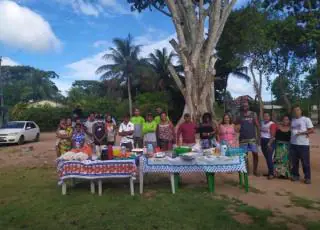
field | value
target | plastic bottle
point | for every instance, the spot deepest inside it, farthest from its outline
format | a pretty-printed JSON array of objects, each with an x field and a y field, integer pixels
[
  {"x": 123, "y": 150},
  {"x": 150, "y": 149},
  {"x": 110, "y": 152},
  {"x": 223, "y": 148}
]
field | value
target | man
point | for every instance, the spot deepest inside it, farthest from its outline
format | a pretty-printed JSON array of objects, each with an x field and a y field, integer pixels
[
  {"x": 249, "y": 127},
  {"x": 126, "y": 131},
  {"x": 301, "y": 128},
  {"x": 188, "y": 131},
  {"x": 138, "y": 122},
  {"x": 157, "y": 118},
  {"x": 99, "y": 135}
]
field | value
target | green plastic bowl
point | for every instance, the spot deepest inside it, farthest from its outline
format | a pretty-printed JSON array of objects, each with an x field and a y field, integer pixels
[{"x": 181, "y": 150}]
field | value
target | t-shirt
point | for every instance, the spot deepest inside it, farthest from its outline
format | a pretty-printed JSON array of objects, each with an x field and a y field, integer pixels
[
  {"x": 248, "y": 126},
  {"x": 99, "y": 132},
  {"x": 89, "y": 127},
  {"x": 205, "y": 129},
  {"x": 126, "y": 128},
  {"x": 157, "y": 119},
  {"x": 188, "y": 132},
  {"x": 299, "y": 125},
  {"x": 138, "y": 122}
]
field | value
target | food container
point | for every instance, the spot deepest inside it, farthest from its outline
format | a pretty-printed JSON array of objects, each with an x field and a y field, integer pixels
[
  {"x": 188, "y": 156},
  {"x": 180, "y": 150},
  {"x": 117, "y": 151}
]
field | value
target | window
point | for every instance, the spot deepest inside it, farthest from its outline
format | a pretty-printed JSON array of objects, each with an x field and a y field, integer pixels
[{"x": 33, "y": 126}]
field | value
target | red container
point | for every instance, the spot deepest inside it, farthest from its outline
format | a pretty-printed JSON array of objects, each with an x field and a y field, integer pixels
[{"x": 110, "y": 152}]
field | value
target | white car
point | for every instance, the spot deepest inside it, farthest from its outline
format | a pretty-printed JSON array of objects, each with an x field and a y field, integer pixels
[{"x": 19, "y": 132}]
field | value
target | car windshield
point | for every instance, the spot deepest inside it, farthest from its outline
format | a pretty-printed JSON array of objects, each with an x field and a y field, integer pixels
[{"x": 14, "y": 125}]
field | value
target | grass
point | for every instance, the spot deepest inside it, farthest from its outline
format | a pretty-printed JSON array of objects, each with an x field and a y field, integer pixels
[
  {"x": 305, "y": 203},
  {"x": 31, "y": 199}
]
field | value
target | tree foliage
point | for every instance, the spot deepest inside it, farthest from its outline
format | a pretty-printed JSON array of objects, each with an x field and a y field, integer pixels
[{"x": 24, "y": 83}]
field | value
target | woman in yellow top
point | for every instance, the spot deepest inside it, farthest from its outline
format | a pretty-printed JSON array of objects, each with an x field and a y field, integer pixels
[
  {"x": 149, "y": 131},
  {"x": 138, "y": 122}
]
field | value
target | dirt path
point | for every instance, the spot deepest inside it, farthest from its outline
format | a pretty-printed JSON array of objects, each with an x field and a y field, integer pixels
[{"x": 283, "y": 197}]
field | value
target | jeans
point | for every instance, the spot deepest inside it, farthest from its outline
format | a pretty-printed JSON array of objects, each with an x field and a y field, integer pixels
[
  {"x": 268, "y": 154},
  {"x": 138, "y": 142},
  {"x": 297, "y": 153}
]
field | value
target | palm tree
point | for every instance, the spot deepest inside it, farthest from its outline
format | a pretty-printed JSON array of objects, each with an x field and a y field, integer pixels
[
  {"x": 159, "y": 62},
  {"x": 126, "y": 63}
]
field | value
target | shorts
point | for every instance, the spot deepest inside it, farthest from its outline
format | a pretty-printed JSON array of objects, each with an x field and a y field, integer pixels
[{"x": 249, "y": 147}]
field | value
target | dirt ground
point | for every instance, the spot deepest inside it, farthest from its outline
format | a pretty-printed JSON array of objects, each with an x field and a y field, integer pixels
[{"x": 283, "y": 197}]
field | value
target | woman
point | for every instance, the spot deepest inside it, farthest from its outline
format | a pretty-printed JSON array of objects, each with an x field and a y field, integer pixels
[
  {"x": 268, "y": 131},
  {"x": 78, "y": 137},
  {"x": 227, "y": 132},
  {"x": 208, "y": 131},
  {"x": 64, "y": 133},
  {"x": 111, "y": 130},
  {"x": 282, "y": 167},
  {"x": 149, "y": 131},
  {"x": 165, "y": 133}
]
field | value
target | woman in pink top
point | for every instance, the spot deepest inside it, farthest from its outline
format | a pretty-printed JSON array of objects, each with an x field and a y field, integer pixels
[{"x": 227, "y": 131}]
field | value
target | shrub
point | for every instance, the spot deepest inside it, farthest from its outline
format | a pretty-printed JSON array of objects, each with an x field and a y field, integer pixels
[{"x": 46, "y": 117}]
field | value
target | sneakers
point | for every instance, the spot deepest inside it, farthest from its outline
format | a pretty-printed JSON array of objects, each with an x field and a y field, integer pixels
[
  {"x": 295, "y": 179},
  {"x": 270, "y": 177},
  {"x": 307, "y": 181}
]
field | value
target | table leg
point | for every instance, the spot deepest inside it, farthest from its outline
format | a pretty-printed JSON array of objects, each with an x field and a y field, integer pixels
[
  {"x": 240, "y": 178},
  {"x": 176, "y": 180},
  {"x": 141, "y": 181},
  {"x": 72, "y": 182},
  {"x": 211, "y": 183},
  {"x": 246, "y": 182},
  {"x": 172, "y": 180},
  {"x": 131, "y": 186},
  {"x": 64, "y": 188},
  {"x": 92, "y": 186},
  {"x": 100, "y": 187}
]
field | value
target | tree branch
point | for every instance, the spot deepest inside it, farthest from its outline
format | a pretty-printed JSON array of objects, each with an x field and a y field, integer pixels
[
  {"x": 177, "y": 79},
  {"x": 177, "y": 23},
  {"x": 197, "y": 46},
  {"x": 161, "y": 10}
]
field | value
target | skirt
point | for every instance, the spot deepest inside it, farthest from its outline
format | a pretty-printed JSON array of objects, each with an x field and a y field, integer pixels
[{"x": 281, "y": 160}]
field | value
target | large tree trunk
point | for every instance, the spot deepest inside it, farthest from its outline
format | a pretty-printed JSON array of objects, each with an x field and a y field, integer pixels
[
  {"x": 284, "y": 94},
  {"x": 196, "y": 50},
  {"x": 257, "y": 86},
  {"x": 129, "y": 95}
]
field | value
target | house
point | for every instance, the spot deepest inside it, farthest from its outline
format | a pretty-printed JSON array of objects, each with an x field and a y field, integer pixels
[{"x": 45, "y": 103}]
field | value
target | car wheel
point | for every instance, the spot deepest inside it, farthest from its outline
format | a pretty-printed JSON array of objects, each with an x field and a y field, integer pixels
[
  {"x": 37, "y": 139},
  {"x": 21, "y": 140}
]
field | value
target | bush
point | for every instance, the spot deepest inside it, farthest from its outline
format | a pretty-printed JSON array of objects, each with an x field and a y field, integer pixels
[{"x": 46, "y": 117}]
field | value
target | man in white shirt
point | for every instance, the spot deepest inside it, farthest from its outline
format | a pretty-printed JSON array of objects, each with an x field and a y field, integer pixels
[
  {"x": 126, "y": 130},
  {"x": 89, "y": 127},
  {"x": 301, "y": 128}
]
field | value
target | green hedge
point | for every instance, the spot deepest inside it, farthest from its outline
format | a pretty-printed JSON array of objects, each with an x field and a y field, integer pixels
[{"x": 46, "y": 117}]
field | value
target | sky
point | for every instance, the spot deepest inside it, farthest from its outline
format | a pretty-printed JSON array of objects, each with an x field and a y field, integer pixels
[{"x": 70, "y": 36}]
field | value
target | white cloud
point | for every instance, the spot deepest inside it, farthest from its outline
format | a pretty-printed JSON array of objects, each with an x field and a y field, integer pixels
[
  {"x": 85, "y": 68},
  {"x": 8, "y": 61},
  {"x": 22, "y": 28},
  {"x": 102, "y": 44},
  {"x": 98, "y": 7},
  {"x": 86, "y": 8}
]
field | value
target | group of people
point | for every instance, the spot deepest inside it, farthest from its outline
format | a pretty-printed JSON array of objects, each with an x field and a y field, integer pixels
[
  {"x": 283, "y": 144},
  {"x": 94, "y": 133}
]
